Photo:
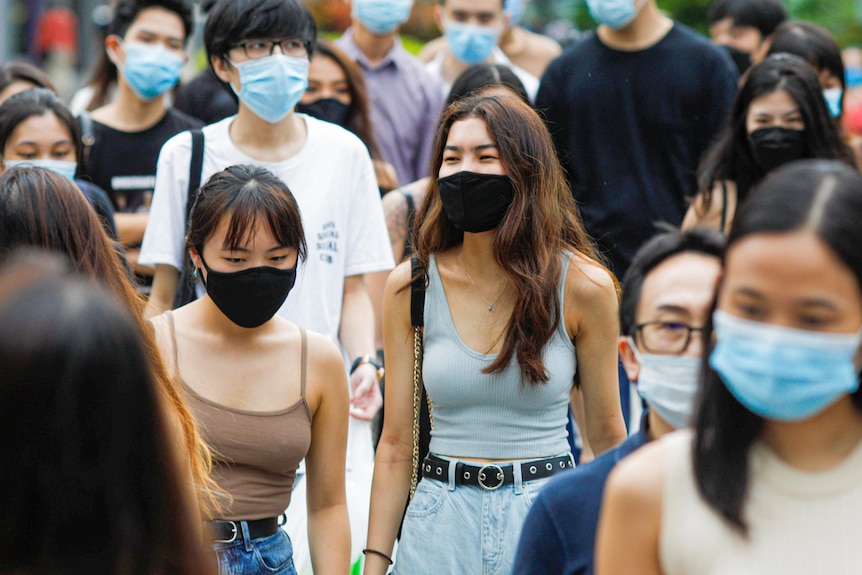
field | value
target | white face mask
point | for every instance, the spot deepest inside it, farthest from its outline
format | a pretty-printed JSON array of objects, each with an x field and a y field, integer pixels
[{"x": 669, "y": 384}]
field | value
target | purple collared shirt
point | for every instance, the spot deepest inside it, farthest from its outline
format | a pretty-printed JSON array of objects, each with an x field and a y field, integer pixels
[{"x": 405, "y": 104}]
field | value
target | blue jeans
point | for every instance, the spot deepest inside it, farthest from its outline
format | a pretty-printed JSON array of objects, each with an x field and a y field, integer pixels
[
  {"x": 267, "y": 555},
  {"x": 463, "y": 529}
]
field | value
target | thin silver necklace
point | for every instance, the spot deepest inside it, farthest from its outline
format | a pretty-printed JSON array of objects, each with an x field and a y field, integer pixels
[{"x": 490, "y": 304}]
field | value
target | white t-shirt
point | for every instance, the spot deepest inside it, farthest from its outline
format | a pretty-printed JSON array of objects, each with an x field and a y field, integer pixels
[
  {"x": 530, "y": 82},
  {"x": 333, "y": 181}
]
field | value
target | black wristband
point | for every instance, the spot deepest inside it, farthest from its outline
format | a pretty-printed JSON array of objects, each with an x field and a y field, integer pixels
[
  {"x": 367, "y": 359},
  {"x": 378, "y": 553}
]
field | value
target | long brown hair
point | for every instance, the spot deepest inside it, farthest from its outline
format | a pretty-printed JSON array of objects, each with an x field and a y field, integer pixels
[
  {"x": 541, "y": 222},
  {"x": 41, "y": 208}
]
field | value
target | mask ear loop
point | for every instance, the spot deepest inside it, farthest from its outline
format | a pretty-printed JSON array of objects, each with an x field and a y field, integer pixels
[{"x": 635, "y": 351}]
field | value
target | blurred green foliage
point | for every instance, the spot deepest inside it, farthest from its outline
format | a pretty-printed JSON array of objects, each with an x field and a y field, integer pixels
[{"x": 841, "y": 17}]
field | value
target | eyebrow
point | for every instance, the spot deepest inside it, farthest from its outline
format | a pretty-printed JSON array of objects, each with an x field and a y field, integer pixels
[
  {"x": 673, "y": 308},
  {"x": 478, "y": 148},
  {"x": 67, "y": 141},
  {"x": 162, "y": 36},
  {"x": 246, "y": 250}
]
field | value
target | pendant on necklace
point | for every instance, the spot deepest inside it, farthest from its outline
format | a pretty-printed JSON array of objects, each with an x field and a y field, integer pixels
[{"x": 491, "y": 308}]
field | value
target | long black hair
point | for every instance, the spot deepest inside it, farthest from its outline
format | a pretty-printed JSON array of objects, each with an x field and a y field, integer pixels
[
  {"x": 36, "y": 102},
  {"x": 731, "y": 158},
  {"x": 826, "y": 198}
]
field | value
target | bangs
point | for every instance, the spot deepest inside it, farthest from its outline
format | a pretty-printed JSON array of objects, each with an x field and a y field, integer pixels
[{"x": 257, "y": 203}]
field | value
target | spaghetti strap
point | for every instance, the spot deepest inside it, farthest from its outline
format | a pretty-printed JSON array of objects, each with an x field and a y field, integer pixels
[
  {"x": 173, "y": 332},
  {"x": 303, "y": 360}
]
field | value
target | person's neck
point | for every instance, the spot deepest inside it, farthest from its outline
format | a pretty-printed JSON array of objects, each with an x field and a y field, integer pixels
[
  {"x": 477, "y": 253},
  {"x": 820, "y": 442},
  {"x": 129, "y": 113},
  {"x": 452, "y": 67},
  {"x": 657, "y": 426},
  {"x": 645, "y": 31},
  {"x": 374, "y": 47},
  {"x": 264, "y": 141},
  {"x": 214, "y": 321}
]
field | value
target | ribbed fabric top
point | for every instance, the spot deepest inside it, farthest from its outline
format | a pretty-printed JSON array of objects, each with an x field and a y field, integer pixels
[
  {"x": 800, "y": 522},
  {"x": 255, "y": 453},
  {"x": 493, "y": 416}
]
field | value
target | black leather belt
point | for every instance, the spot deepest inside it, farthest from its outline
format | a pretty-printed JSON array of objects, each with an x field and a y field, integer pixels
[
  {"x": 223, "y": 531},
  {"x": 492, "y": 476}
]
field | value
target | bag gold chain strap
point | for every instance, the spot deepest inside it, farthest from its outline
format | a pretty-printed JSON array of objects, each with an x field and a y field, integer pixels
[{"x": 417, "y": 399}]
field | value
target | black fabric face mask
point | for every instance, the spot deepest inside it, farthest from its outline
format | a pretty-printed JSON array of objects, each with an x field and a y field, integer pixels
[
  {"x": 741, "y": 59},
  {"x": 475, "y": 202},
  {"x": 773, "y": 147},
  {"x": 249, "y": 298},
  {"x": 326, "y": 109}
]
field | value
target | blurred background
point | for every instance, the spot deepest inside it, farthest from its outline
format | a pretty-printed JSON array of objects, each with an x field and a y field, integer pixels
[{"x": 64, "y": 36}]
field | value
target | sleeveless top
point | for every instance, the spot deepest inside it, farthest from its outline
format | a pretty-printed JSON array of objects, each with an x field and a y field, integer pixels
[
  {"x": 493, "y": 415},
  {"x": 255, "y": 453},
  {"x": 799, "y": 522}
]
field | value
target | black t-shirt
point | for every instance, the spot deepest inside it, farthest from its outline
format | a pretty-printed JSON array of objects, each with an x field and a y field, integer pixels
[
  {"x": 631, "y": 127},
  {"x": 124, "y": 163}
]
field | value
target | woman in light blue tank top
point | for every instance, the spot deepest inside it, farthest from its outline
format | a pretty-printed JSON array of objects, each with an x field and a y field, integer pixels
[{"x": 517, "y": 310}]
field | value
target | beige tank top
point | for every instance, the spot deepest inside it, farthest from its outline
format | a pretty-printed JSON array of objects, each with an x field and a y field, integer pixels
[
  {"x": 255, "y": 454},
  {"x": 800, "y": 522}
]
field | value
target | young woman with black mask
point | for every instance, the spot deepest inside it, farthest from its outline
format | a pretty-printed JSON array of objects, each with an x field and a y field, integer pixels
[
  {"x": 266, "y": 392},
  {"x": 779, "y": 116},
  {"x": 515, "y": 305},
  {"x": 336, "y": 93},
  {"x": 770, "y": 479}
]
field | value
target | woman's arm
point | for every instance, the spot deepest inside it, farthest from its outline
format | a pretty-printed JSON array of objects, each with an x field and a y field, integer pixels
[
  {"x": 627, "y": 541},
  {"x": 592, "y": 315},
  {"x": 393, "y": 464},
  {"x": 328, "y": 525}
]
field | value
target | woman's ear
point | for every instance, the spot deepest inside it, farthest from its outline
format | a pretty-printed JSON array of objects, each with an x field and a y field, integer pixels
[{"x": 196, "y": 258}]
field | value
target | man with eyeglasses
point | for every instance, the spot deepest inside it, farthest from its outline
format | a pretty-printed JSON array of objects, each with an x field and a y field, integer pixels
[
  {"x": 666, "y": 300},
  {"x": 260, "y": 49}
]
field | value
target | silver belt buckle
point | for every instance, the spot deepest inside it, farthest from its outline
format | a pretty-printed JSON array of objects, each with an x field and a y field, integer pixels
[
  {"x": 233, "y": 536},
  {"x": 482, "y": 476}
]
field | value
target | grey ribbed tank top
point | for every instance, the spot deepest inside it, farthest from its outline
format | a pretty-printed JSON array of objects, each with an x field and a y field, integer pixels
[{"x": 493, "y": 416}]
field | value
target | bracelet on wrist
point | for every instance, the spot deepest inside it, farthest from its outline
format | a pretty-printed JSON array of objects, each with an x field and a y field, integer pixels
[
  {"x": 369, "y": 360},
  {"x": 378, "y": 553}
]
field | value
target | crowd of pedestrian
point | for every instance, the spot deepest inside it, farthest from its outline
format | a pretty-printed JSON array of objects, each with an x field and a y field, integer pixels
[{"x": 503, "y": 307}]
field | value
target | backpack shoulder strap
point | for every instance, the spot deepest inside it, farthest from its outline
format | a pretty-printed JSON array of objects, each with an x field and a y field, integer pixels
[
  {"x": 88, "y": 138},
  {"x": 195, "y": 168}
]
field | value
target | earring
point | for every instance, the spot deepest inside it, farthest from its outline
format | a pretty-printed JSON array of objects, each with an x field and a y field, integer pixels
[{"x": 196, "y": 273}]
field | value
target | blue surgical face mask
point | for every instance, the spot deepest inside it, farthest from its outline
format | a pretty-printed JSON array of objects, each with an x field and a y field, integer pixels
[
  {"x": 272, "y": 86},
  {"x": 668, "y": 383},
  {"x": 781, "y": 373},
  {"x": 515, "y": 10},
  {"x": 150, "y": 71},
  {"x": 471, "y": 43},
  {"x": 380, "y": 17},
  {"x": 63, "y": 167},
  {"x": 833, "y": 100},
  {"x": 614, "y": 14},
  {"x": 853, "y": 76}
]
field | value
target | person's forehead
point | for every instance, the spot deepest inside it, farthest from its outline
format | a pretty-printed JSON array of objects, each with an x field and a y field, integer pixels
[
  {"x": 475, "y": 6},
  {"x": 685, "y": 281},
  {"x": 160, "y": 21}
]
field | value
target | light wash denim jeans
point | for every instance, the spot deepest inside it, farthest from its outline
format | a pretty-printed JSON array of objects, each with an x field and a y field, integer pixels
[
  {"x": 463, "y": 529},
  {"x": 268, "y": 555}
]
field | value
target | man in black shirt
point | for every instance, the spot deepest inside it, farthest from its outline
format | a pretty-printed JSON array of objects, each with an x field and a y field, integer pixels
[
  {"x": 632, "y": 108},
  {"x": 146, "y": 43}
]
